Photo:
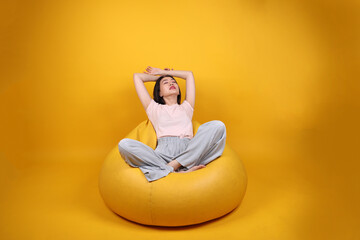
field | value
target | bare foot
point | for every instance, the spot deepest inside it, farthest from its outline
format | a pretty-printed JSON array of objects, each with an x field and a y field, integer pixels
[{"x": 194, "y": 168}]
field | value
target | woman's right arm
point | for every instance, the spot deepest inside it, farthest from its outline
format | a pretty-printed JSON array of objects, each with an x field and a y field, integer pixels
[{"x": 139, "y": 79}]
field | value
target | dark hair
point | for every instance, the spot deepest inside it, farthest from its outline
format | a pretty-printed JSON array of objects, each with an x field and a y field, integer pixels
[{"x": 156, "y": 92}]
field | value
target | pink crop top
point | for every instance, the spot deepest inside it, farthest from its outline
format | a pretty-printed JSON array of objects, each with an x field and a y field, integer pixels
[{"x": 174, "y": 120}]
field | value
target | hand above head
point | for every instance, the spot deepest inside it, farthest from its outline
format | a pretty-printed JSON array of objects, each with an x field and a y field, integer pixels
[{"x": 156, "y": 71}]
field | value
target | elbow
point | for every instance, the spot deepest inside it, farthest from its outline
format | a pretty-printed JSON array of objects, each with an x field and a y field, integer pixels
[{"x": 136, "y": 76}]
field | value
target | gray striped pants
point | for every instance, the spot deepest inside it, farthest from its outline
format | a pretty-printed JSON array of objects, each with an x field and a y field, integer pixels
[{"x": 207, "y": 145}]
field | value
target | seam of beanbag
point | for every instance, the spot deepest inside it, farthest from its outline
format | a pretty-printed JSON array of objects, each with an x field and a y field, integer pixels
[{"x": 150, "y": 204}]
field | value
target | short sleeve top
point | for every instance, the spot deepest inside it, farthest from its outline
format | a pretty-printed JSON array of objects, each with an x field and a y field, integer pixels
[{"x": 174, "y": 120}]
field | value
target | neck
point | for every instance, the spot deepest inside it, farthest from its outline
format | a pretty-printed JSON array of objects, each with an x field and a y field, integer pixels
[{"x": 170, "y": 100}]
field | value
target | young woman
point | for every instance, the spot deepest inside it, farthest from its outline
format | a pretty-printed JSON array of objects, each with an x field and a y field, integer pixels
[{"x": 177, "y": 150}]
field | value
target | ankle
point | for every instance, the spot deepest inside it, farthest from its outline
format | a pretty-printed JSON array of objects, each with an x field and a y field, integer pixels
[{"x": 174, "y": 164}]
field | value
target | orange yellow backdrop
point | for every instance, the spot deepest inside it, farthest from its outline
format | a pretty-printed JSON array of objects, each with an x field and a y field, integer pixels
[{"x": 282, "y": 75}]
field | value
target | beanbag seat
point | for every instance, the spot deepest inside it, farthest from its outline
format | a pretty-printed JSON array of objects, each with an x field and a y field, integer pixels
[{"x": 179, "y": 199}]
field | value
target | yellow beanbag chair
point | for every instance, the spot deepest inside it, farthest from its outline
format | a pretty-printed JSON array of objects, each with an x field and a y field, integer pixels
[{"x": 178, "y": 199}]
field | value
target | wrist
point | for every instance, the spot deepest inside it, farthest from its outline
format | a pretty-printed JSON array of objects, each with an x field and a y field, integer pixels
[{"x": 163, "y": 72}]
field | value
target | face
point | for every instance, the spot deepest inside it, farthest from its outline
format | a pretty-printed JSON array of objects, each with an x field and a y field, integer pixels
[{"x": 168, "y": 86}]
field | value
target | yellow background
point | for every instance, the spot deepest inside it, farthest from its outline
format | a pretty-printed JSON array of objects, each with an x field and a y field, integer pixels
[{"x": 282, "y": 75}]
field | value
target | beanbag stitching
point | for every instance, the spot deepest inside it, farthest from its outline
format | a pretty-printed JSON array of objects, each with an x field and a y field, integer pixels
[{"x": 150, "y": 204}]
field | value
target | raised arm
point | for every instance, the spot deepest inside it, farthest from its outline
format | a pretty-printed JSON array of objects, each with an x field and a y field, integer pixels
[
  {"x": 187, "y": 75},
  {"x": 190, "y": 84},
  {"x": 190, "y": 89},
  {"x": 139, "y": 79}
]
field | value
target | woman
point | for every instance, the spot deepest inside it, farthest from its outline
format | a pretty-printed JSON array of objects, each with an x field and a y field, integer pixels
[{"x": 177, "y": 150}]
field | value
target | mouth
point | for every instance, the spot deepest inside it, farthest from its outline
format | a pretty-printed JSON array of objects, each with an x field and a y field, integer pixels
[{"x": 172, "y": 87}]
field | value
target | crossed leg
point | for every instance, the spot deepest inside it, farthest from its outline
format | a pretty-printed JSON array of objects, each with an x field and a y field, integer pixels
[{"x": 207, "y": 145}]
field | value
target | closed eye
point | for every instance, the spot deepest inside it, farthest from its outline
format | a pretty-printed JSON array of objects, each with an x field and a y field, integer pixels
[{"x": 165, "y": 82}]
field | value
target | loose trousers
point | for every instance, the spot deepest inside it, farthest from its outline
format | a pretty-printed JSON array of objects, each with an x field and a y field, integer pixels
[{"x": 207, "y": 145}]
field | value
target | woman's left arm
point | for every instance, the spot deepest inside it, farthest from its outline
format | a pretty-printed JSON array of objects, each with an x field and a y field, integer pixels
[
  {"x": 187, "y": 75},
  {"x": 190, "y": 84},
  {"x": 190, "y": 89}
]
